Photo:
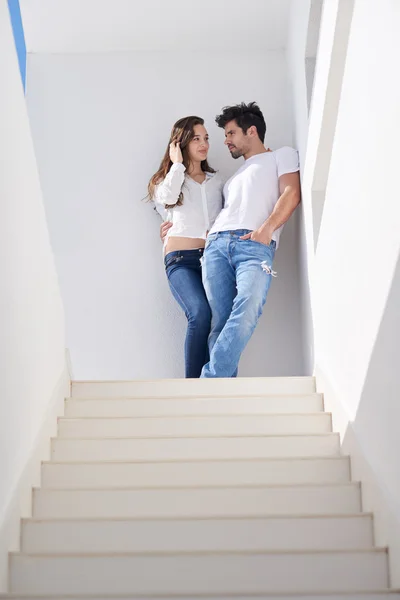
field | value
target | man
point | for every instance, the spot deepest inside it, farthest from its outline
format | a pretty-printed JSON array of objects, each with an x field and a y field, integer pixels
[{"x": 240, "y": 247}]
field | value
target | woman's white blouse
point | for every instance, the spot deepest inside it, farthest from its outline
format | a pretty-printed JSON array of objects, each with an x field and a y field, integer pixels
[{"x": 202, "y": 202}]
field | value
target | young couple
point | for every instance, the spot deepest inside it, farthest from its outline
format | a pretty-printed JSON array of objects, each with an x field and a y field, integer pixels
[{"x": 220, "y": 238}]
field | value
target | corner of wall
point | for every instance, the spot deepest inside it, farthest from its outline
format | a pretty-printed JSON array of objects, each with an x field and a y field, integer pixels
[
  {"x": 68, "y": 364},
  {"x": 20, "y": 503},
  {"x": 375, "y": 498}
]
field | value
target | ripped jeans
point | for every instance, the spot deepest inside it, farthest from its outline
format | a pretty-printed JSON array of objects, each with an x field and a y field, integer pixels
[{"x": 236, "y": 277}]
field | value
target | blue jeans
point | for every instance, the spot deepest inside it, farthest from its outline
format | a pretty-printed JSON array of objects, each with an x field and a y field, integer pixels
[
  {"x": 236, "y": 278},
  {"x": 183, "y": 270}
]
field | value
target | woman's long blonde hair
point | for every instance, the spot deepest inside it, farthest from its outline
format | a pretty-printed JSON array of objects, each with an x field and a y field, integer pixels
[{"x": 182, "y": 132}]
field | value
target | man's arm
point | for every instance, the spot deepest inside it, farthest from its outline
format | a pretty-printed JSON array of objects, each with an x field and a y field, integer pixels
[
  {"x": 165, "y": 225},
  {"x": 289, "y": 188}
]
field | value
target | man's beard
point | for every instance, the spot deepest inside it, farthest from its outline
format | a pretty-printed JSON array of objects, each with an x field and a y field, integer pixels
[{"x": 236, "y": 153}]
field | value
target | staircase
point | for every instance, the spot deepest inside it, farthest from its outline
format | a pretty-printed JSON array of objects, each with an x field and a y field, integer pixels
[{"x": 198, "y": 489}]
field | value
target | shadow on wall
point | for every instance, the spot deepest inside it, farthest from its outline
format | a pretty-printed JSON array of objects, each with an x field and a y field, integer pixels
[
  {"x": 374, "y": 434},
  {"x": 304, "y": 304},
  {"x": 330, "y": 112},
  {"x": 284, "y": 352}
]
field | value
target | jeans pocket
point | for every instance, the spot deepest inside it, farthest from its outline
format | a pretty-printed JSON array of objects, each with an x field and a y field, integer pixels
[
  {"x": 251, "y": 244},
  {"x": 271, "y": 246},
  {"x": 259, "y": 243},
  {"x": 209, "y": 239},
  {"x": 171, "y": 260}
]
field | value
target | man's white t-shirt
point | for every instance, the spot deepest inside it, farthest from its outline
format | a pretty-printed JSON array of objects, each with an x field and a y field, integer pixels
[{"x": 251, "y": 193}]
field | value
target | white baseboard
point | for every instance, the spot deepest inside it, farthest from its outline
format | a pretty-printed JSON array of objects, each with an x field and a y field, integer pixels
[
  {"x": 375, "y": 497},
  {"x": 20, "y": 505}
]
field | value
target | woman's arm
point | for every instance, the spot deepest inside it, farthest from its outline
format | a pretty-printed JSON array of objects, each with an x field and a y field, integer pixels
[{"x": 167, "y": 192}]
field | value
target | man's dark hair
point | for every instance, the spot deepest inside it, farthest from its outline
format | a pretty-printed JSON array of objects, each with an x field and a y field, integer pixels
[{"x": 245, "y": 116}]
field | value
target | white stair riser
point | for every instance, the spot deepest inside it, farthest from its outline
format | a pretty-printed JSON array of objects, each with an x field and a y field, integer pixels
[
  {"x": 124, "y": 407},
  {"x": 187, "y": 426},
  {"x": 195, "y": 448},
  {"x": 229, "y": 472},
  {"x": 185, "y": 387},
  {"x": 44, "y": 537},
  {"x": 210, "y": 573},
  {"x": 194, "y": 502}
]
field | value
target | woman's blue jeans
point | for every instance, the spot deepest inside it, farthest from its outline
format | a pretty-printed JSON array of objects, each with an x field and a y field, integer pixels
[{"x": 183, "y": 270}]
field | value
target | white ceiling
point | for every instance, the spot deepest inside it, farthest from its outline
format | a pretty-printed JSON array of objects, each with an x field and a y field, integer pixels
[{"x": 123, "y": 25}]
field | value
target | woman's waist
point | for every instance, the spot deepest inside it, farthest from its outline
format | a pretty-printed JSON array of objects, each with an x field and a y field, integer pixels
[{"x": 175, "y": 243}]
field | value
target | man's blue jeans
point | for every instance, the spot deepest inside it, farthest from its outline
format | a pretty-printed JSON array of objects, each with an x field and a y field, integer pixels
[{"x": 236, "y": 278}]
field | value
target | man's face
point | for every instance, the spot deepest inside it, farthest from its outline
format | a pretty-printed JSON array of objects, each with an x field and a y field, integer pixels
[{"x": 238, "y": 142}]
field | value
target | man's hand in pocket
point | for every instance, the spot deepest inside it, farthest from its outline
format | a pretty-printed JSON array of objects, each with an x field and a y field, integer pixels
[{"x": 263, "y": 236}]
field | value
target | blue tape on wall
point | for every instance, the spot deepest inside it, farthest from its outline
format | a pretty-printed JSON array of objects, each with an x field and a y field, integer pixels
[{"x": 18, "y": 30}]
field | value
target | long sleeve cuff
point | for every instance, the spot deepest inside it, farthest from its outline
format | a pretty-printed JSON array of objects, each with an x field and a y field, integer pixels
[{"x": 177, "y": 167}]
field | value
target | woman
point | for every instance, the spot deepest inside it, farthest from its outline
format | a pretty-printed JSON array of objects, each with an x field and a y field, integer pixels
[{"x": 188, "y": 192}]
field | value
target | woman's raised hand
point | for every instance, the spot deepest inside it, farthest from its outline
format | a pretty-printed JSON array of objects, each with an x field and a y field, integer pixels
[{"x": 175, "y": 152}]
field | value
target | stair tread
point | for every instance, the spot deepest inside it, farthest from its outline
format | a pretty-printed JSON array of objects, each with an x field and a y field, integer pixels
[
  {"x": 203, "y": 416},
  {"x": 293, "y": 516},
  {"x": 372, "y": 550},
  {"x": 200, "y": 436},
  {"x": 188, "y": 397},
  {"x": 350, "y": 484},
  {"x": 160, "y": 380},
  {"x": 242, "y": 596},
  {"x": 195, "y": 460}
]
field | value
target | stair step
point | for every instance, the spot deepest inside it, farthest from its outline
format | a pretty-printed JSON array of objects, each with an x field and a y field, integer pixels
[
  {"x": 185, "y": 473},
  {"x": 206, "y": 573},
  {"x": 195, "y": 425},
  {"x": 116, "y": 449},
  {"x": 207, "y": 405},
  {"x": 191, "y": 535},
  {"x": 185, "y": 387},
  {"x": 189, "y": 489},
  {"x": 197, "y": 501},
  {"x": 366, "y": 595}
]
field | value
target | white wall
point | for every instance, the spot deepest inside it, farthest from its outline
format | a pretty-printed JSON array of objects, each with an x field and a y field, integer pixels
[
  {"x": 128, "y": 26},
  {"x": 33, "y": 374},
  {"x": 355, "y": 273},
  {"x": 298, "y": 35},
  {"x": 100, "y": 124},
  {"x": 357, "y": 279}
]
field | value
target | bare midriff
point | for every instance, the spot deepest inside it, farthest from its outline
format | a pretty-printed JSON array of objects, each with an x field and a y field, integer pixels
[{"x": 183, "y": 243}]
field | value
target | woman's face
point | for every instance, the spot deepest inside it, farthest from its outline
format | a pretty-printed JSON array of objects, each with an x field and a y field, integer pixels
[{"x": 198, "y": 146}]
